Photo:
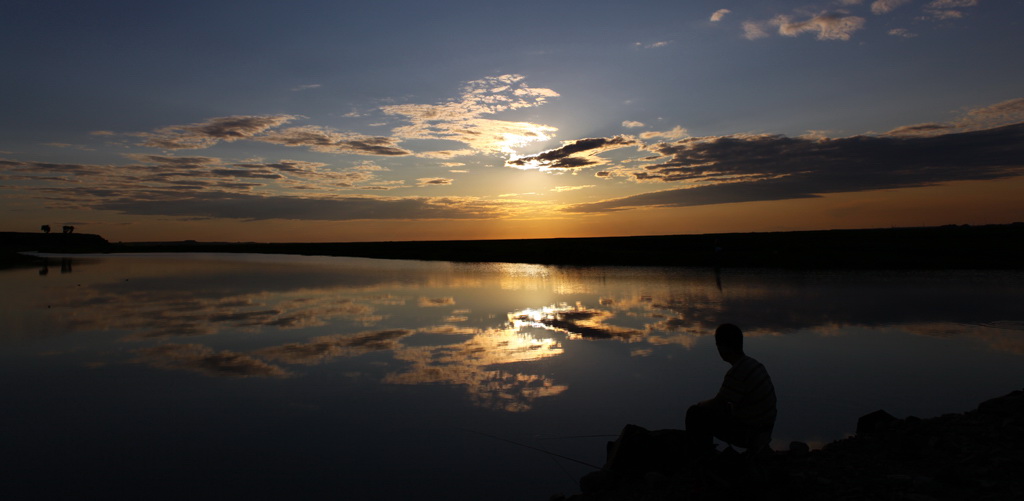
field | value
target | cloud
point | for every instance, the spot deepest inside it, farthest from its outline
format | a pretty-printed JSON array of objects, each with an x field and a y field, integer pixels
[
  {"x": 654, "y": 45},
  {"x": 886, "y": 6},
  {"x": 201, "y": 187},
  {"x": 171, "y": 162},
  {"x": 322, "y": 349},
  {"x": 434, "y": 181},
  {"x": 429, "y": 302},
  {"x": 306, "y": 87},
  {"x": 446, "y": 154},
  {"x": 827, "y": 26},
  {"x": 677, "y": 132},
  {"x": 753, "y": 30},
  {"x": 1011, "y": 110},
  {"x": 951, "y": 4},
  {"x": 632, "y": 124},
  {"x": 921, "y": 130},
  {"x": 902, "y": 32},
  {"x": 204, "y": 360},
  {"x": 986, "y": 117},
  {"x": 560, "y": 189},
  {"x": 326, "y": 140},
  {"x": 212, "y": 131},
  {"x": 264, "y": 129},
  {"x": 573, "y": 154},
  {"x": 739, "y": 168},
  {"x": 217, "y": 204},
  {"x": 719, "y": 14},
  {"x": 947, "y": 9},
  {"x": 462, "y": 119}
]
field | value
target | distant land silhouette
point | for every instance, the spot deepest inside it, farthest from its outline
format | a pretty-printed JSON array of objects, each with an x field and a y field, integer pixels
[{"x": 951, "y": 246}]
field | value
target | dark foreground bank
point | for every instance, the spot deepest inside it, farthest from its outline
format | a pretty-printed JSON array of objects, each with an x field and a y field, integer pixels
[
  {"x": 974, "y": 455},
  {"x": 966, "y": 247}
]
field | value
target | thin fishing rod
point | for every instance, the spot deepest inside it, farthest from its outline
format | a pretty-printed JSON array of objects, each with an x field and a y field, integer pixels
[
  {"x": 538, "y": 449},
  {"x": 559, "y": 437}
]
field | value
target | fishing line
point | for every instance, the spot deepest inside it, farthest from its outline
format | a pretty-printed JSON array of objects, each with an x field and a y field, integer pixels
[{"x": 538, "y": 449}]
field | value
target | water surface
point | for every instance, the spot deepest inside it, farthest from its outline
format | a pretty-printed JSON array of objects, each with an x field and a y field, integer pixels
[{"x": 208, "y": 375}]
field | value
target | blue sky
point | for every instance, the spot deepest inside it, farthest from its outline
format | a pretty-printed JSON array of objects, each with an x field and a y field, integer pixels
[{"x": 315, "y": 120}]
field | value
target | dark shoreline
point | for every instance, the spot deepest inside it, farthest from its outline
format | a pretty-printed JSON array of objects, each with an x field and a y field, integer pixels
[{"x": 941, "y": 247}]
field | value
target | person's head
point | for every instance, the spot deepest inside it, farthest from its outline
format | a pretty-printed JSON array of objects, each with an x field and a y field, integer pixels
[{"x": 729, "y": 340}]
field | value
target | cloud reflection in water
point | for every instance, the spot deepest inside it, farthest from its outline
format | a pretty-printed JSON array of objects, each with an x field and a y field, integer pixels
[
  {"x": 283, "y": 318},
  {"x": 204, "y": 360},
  {"x": 472, "y": 364}
]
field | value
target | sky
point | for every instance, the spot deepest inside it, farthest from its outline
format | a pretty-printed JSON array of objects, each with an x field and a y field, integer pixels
[{"x": 285, "y": 121}]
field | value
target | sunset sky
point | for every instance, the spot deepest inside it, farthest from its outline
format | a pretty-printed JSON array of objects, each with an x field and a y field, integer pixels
[{"x": 411, "y": 120}]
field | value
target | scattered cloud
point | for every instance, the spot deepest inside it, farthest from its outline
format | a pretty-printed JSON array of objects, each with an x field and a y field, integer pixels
[
  {"x": 244, "y": 206},
  {"x": 827, "y": 26},
  {"x": 430, "y": 302},
  {"x": 632, "y": 124},
  {"x": 886, "y": 6},
  {"x": 573, "y": 154},
  {"x": 1011, "y": 110},
  {"x": 434, "y": 181},
  {"x": 212, "y": 131},
  {"x": 902, "y": 32},
  {"x": 942, "y": 10},
  {"x": 952, "y": 4},
  {"x": 561, "y": 189},
  {"x": 446, "y": 154},
  {"x": 462, "y": 119},
  {"x": 653, "y": 45},
  {"x": 753, "y": 30},
  {"x": 719, "y": 14},
  {"x": 1006, "y": 112},
  {"x": 329, "y": 141},
  {"x": 842, "y": 24},
  {"x": 677, "y": 132}
]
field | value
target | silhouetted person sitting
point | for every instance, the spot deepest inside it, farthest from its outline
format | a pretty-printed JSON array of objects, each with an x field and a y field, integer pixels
[{"x": 743, "y": 412}]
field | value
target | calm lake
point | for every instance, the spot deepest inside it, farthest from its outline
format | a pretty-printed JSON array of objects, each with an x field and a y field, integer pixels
[{"x": 271, "y": 377}]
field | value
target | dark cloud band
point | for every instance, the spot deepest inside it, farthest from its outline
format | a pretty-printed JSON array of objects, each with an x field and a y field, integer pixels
[{"x": 756, "y": 168}]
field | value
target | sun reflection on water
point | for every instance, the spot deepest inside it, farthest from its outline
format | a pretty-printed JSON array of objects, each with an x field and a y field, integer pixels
[{"x": 472, "y": 364}]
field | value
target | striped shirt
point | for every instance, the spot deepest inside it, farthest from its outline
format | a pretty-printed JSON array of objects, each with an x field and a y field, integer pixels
[{"x": 749, "y": 390}]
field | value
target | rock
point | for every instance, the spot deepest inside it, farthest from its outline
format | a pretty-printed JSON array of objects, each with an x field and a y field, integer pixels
[
  {"x": 978, "y": 454},
  {"x": 875, "y": 422},
  {"x": 799, "y": 448},
  {"x": 596, "y": 481}
]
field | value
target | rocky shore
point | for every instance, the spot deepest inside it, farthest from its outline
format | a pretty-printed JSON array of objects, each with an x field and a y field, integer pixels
[{"x": 978, "y": 454}]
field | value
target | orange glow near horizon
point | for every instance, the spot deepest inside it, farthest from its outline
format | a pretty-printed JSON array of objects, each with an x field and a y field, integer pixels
[{"x": 963, "y": 202}]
